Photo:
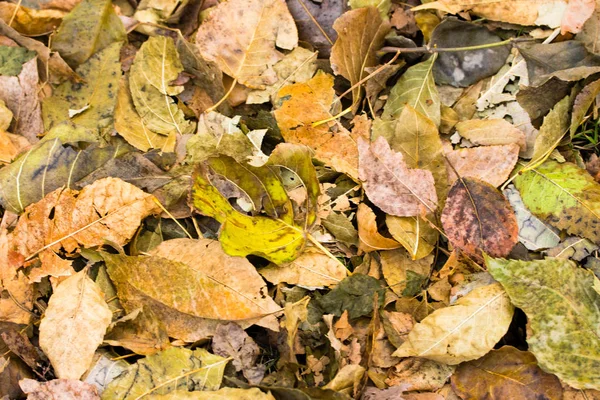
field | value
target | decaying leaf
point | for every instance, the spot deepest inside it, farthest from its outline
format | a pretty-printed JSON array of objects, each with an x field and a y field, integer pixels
[
  {"x": 396, "y": 264},
  {"x": 360, "y": 34},
  {"x": 231, "y": 341},
  {"x": 466, "y": 330},
  {"x": 29, "y": 21},
  {"x": 69, "y": 351},
  {"x": 560, "y": 302},
  {"x": 354, "y": 294},
  {"x": 140, "y": 331},
  {"x": 173, "y": 370},
  {"x": 245, "y": 50},
  {"x": 564, "y": 196},
  {"x": 59, "y": 389},
  {"x": 390, "y": 184},
  {"x": 477, "y": 218},
  {"x": 225, "y": 393},
  {"x": 490, "y": 164}
]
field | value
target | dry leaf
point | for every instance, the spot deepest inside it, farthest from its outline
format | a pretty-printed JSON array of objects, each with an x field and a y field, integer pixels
[
  {"x": 491, "y": 164},
  {"x": 491, "y": 132},
  {"x": 420, "y": 374},
  {"x": 76, "y": 306},
  {"x": 395, "y": 265},
  {"x": 370, "y": 238},
  {"x": 390, "y": 184},
  {"x": 231, "y": 341},
  {"x": 59, "y": 389},
  {"x": 245, "y": 50}
]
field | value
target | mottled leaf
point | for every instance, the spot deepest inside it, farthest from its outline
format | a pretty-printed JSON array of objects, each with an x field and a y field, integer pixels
[
  {"x": 582, "y": 103},
  {"x": 396, "y": 265},
  {"x": 562, "y": 311},
  {"x": 12, "y": 59},
  {"x": 354, "y": 294}
]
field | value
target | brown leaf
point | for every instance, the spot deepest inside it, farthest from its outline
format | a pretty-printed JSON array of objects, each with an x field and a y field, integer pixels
[
  {"x": 139, "y": 331},
  {"x": 491, "y": 164},
  {"x": 395, "y": 265},
  {"x": 231, "y": 341},
  {"x": 59, "y": 389},
  {"x": 360, "y": 34},
  {"x": 506, "y": 373},
  {"x": 390, "y": 185},
  {"x": 420, "y": 374},
  {"x": 241, "y": 36},
  {"x": 29, "y": 21},
  {"x": 370, "y": 238},
  {"x": 478, "y": 218},
  {"x": 491, "y": 132}
]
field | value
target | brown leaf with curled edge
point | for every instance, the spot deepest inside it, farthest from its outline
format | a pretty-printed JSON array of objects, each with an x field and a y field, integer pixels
[
  {"x": 59, "y": 389},
  {"x": 390, "y": 184},
  {"x": 506, "y": 373},
  {"x": 491, "y": 164},
  {"x": 369, "y": 238},
  {"x": 478, "y": 218},
  {"x": 360, "y": 34},
  {"x": 241, "y": 36}
]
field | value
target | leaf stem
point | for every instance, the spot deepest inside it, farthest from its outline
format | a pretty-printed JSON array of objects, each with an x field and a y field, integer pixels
[
  {"x": 431, "y": 50},
  {"x": 214, "y": 107}
]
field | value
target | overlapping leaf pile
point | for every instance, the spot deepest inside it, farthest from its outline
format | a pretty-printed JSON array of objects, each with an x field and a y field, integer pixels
[{"x": 270, "y": 199}]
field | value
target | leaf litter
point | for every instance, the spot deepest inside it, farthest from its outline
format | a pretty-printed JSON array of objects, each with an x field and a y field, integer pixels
[{"x": 299, "y": 199}]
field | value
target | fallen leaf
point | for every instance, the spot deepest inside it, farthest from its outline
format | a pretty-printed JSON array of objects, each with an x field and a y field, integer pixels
[
  {"x": 563, "y": 196},
  {"x": 225, "y": 393},
  {"x": 302, "y": 104},
  {"x": 491, "y": 132},
  {"x": 354, "y": 294},
  {"x": 347, "y": 379},
  {"x": 573, "y": 248},
  {"x": 370, "y": 238},
  {"x": 582, "y": 103},
  {"x": 390, "y": 184},
  {"x": 361, "y": 33},
  {"x": 342, "y": 228},
  {"x": 231, "y": 341},
  {"x": 395, "y": 265},
  {"x": 464, "y": 331},
  {"x": 505, "y": 373},
  {"x": 553, "y": 290},
  {"x": 312, "y": 269},
  {"x": 140, "y": 331},
  {"x": 577, "y": 13},
  {"x": 155, "y": 66},
  {"x": 419, "y": 374},
  {"x": 417, "y": 236},
  {"x": 588, "y": 34},
  {"x": 29, "y": 21},
  {"x": 59, "y": 389},
  {"x": 13, "y": 58},
  {"x": 69, "y": 351},
  {"x": 173, "y": 370},
  {"x": 383, "y": 6},
  {"x": 478, "y": 219},
  {"x": 490, "y": 164},
  {"x": 90, "y": 27},
  {"x": 246, "y": 49}
]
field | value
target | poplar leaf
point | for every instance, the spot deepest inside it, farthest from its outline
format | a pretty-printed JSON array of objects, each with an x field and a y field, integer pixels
[
  {"x": 561, "y": 305},
  {"x": 464, "y": 331},
  {"x": 76, "y": 306}
]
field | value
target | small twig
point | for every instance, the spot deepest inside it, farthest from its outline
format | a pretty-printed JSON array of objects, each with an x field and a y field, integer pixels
[{"x": 434, "y": 49}]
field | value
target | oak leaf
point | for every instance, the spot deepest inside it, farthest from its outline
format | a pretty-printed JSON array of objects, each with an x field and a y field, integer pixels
[
  {"x": 246, "y": 49},
  {"x": 69, "y": 351},
  {"x": 477, "y": 218}
]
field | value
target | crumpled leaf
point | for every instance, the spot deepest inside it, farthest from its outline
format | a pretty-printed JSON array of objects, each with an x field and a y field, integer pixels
[
  {"x": 369, "y": 238},
  {"x": 361, "y": 33},
  {"x": 187, "y": 276},
  {"x": 90, "y": 27},
  {"x": 533, "y": 233},
  {"x": 491, "y": 164},
  {"x": 562, "y": 311},
  {"x": 506, "y": 373},
  {"x": 96, "y": 96},
  {"x": 12, "y": 59},
  {"x": 231, "y": 341},
  {"x": 354, "y": 294},
  {"x": 245, "y": 50},
  {"x": 477, "y": 218},
  {"x": 59, "y": 389},
  {"x": 419, "y": 374},
  {"x": 297, "y": 67},
  {"x": 69, "y": 351},
  {"x": 390, "y": 184},
  {"x": 416, "y": 88},
  {"x": 20, "y": 95},
  {"x": 155, "y": 66},
  {"x": 464, "y": 68},
  {"x": 302, "y": 104},
  {"x": 312, "y": 269},
  {"x": 564, "y": 196},
  {"x": 466, "y": 330},
  {"x": 173, "y": 370}
]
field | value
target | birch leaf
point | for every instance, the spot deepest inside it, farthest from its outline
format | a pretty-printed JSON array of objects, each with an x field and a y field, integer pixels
[
  {"x": 361, "y": 33},
  {"x": 416, "y": 88},
  {"x": 564, "y": 196},
  {"x": 90, "y": 27},
  {"x": 477, "y": 218},
  {"x": 561, "y": 306},
  {"x": 464, "y": 331},
  {"x": 390, "y": 184},
  {"x": 171, "y": 371},
  {"x": 155, "y": 66},
  {"x": 69, "y": 351},
  {"x": 246, "y": 49}
]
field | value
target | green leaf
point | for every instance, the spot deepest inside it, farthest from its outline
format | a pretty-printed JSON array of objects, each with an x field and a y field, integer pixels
[
  {"x": 92, "y": 101},
  {"x": 157, "y": 64},
  {"x": 562, "y": 311},
  {"x": 416, "y": 88},
  {"x": 414, "y": 283},
  {"x": 175, "y": 369},
  {"x": 12, "y": 59},
  {"x": 354, "y": 294},
  {"x": 90, "y": 27},
  {"x": 564, "y": 196}
]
